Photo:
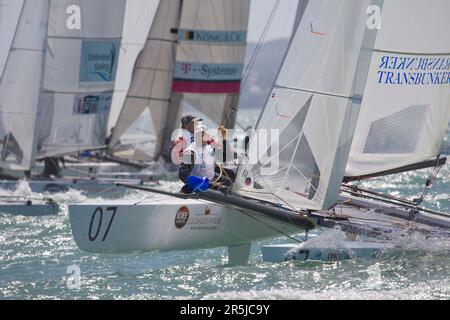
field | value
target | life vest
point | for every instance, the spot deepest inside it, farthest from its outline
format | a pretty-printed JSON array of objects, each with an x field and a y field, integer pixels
[{"x": 204, "y": 160}]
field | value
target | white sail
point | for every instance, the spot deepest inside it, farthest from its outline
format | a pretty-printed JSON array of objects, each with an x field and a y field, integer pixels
[
  {"x": 150, "y": 87},
  {"x": 313, "y": 108},
  {"x": 80, "y": 70},
  {"x": 209, "y": 37},
  {"x": 406, "y": 106},
  {"x": 139, "y": 16},
  {"x": 10, "y": 11},
  {"x": 210, "y": 56},
  {"x": 20, "y": 87}
]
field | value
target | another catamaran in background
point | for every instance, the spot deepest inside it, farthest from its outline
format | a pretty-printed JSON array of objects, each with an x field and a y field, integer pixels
[
  {"x": 72, "y": 110},
  {"x": 404, "y": 118},
  {"x": 57, "y": 85}
]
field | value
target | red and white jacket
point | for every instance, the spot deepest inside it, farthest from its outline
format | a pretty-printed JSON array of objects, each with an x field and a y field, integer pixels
[{"x": 183, "y": 142}]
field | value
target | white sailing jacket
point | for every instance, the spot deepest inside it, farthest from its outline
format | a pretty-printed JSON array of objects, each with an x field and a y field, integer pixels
[{"x": 204, "y": 160}]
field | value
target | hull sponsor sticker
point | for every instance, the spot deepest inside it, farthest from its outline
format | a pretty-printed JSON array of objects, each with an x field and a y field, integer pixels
[{"x": 182, "y": 217}]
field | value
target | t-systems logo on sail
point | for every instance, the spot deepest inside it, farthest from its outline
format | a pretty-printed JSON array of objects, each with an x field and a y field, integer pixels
[
  {"x": 99, "y": 61},
  {"x": 413, "y": 70},
  {"x": 207, "y": 77}
]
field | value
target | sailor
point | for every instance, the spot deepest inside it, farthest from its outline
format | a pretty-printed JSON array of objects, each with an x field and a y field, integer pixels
[
  {"x": 52, "y": 168},
  {"x": 182, "y": 142},
  {"x": 199, "y": 159},
  {"x": 185, "y": 139}
]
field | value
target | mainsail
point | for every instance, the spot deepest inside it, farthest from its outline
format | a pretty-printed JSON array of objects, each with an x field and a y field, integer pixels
[
  {"x": 200, "y": 45},
  {"x": 10, "y": 11},
  {"x": 210, "y": 56},
  {"x": 313, "y": 108},
  {"x": 150, "y": 87},
  {"x": 406, "y": 106},
  {"x": 139, "y": 17},
  {"x": 20, "y": 84},
  {"x": 80, "y": 69}
]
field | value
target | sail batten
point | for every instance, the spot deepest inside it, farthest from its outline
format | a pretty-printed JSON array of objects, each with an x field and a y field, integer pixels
[{"x": 318, "y": 92}]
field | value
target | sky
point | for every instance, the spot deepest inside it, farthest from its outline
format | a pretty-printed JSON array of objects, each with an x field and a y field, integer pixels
[{"x": 281, "y": 25}]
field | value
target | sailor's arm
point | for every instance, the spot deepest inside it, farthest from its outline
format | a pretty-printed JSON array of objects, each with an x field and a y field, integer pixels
[{"x": 186, "y": 166}]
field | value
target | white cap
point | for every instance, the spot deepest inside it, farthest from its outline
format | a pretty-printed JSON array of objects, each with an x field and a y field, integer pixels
[{"x": 201, "y": 128}]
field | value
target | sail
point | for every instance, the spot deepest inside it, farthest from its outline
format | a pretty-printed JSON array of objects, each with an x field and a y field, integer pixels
[
  {"x": 311, "y": 114},
  {"x": 209, "y": 38},
  {"x": 210, "y": 55},
  {"x": 139, "y": 16},
  {"x": 150, "y": 92},
  {"x": 20, "y": 84},
  {"x": 10, "y": 11},
  {"x": 80, "y": 69},
  {"x": 406, "y": 106},
  {"x": 209, "y": 61}
]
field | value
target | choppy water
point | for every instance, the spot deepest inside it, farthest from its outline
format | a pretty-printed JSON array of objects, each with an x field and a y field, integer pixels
[{"x": 36, "y": 255}]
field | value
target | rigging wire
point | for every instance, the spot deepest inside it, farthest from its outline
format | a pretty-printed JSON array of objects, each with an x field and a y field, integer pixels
[
  {"x": 429, "y": 183},
  {"x": 255, "y": 54}
]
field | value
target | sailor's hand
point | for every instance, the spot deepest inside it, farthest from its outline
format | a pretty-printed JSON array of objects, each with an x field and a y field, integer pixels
[{"x": 223, "y": 131}]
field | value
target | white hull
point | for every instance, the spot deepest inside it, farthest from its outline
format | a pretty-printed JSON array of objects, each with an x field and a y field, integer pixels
[
  {"x": 29, "y": 208},
  {"x": 326, "y": 252},
  {"x": 161, "y": 223}
]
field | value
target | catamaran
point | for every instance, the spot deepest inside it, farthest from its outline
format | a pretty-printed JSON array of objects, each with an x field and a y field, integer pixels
[
  {"x": 402, "y": 123},
  {"x": 195, "y": 223},
  {"x": 331, "y": 71}
]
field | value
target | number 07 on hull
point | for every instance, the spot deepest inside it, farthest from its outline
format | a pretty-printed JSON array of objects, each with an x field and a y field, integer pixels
[{"x": 166, "y": 223}]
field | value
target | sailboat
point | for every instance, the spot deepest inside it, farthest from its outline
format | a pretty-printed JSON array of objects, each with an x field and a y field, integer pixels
[
  {"x": 193, "y": 56},
  {"x": 237, "y": 217},
  {"x": 405, "y": 111},
  {"x": 401, "y": 126},
  {"x": 57, "y": 84},
  {"x": 330, "y": 73}
]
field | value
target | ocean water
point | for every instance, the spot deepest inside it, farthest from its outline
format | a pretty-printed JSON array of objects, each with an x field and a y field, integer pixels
[
  {"x": 38, "y": 255},
  {"x": 38, "y": 258}
]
